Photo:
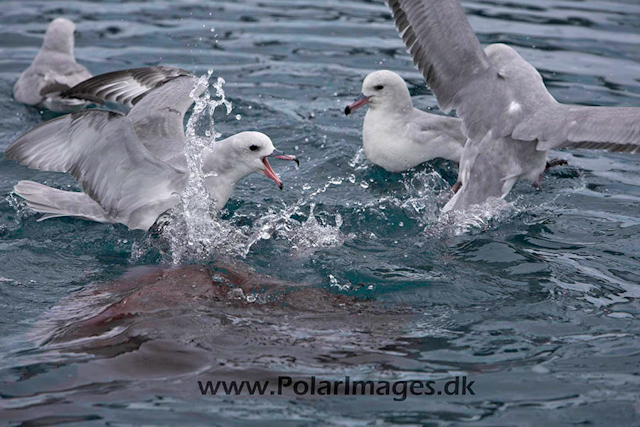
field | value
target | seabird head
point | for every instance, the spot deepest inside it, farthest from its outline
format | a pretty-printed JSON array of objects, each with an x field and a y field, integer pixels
[
  {"x": 382, "y": 89},
  {"x": 236, "y": 157},
  {"x": 60, "y": 36}
]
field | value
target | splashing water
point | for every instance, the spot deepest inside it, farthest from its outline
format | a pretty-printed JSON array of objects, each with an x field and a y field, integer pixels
[
  {"x": 305, "y": 236},
  {"x": 193, "y": 230},
  {"x": 475, "y": 219}
]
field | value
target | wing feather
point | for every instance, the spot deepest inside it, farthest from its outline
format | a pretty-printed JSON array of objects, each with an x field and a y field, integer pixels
[
  {"x": 102, "y": 151},
  {"x": 124, "y": 87},
  {"x": 563, "y": 126},
  {"x": 442, "y": 44}
]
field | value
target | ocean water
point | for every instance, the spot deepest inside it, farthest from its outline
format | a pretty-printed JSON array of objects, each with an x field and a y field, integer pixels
[{"x": 348, "y": 272}]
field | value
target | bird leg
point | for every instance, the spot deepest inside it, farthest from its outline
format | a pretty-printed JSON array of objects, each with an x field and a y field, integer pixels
[
  {"x": 538, "y": 182},
  {"x": 550, "y": 164}
]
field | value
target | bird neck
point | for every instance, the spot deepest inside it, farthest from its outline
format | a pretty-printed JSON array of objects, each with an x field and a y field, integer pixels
[
  {"x": 222, "y": 172},
  {"x": 56, "y": 42}
]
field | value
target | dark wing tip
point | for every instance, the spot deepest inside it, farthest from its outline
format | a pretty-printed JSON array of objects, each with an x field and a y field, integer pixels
[
  {"x": 126, "y": 86},
  {"x": 53, "y": 87}
]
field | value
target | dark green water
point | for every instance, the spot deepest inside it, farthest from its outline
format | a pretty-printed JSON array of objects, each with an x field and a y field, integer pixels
[{"x": 536, "y": 302}]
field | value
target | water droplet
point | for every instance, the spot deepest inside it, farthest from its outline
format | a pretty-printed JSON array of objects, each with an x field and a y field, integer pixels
[
  {"x": 364, "y": 184},
  {"x": 251, "y": 298},
  {"x": 306, "y": 187},
  {"x": 334, "y": 282},
  {"x": 238, "y": 116},
  {"x": 352, "y": 178},
  {"x": 235, "y": 293}
]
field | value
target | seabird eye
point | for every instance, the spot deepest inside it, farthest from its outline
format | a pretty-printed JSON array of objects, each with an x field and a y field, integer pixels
[
  {"x": 254, "y": 148},
  {"x": 379, "y": 87}
]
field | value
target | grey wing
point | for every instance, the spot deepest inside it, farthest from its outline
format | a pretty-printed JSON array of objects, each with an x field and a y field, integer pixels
[
  {"x": 460, "y": 73},
  {"x": 102, "y": 151},
  {"x": 125, "y": 87},
  {"x": 440, "y": 136},
  {"x": 160, "y": 97},
  {"x": 158, "y": 118},
  {"x": 448, "y": 127},
  {"x": 558, "y": 126},
  {"x": 442, "y": 44}
]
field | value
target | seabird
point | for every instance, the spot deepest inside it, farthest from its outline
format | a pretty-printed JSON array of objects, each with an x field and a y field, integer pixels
[
  {"x": 53, "y": 70},
  {"x": 395, "y": 135},
  {"x": 510, "y": 119},
  {"x": 132, "y": 168}
]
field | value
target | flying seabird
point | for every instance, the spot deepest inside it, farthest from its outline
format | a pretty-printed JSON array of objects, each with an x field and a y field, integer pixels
[{"x": 510, "y": 119}]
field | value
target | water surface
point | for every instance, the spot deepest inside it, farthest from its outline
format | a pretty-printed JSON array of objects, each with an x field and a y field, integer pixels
[{"x": 349, "y": 271}]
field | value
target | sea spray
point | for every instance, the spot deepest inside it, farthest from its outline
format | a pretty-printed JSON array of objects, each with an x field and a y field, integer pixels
[
  {"x": 307, "y": 236},
  {"x": 192, "y": 228}
]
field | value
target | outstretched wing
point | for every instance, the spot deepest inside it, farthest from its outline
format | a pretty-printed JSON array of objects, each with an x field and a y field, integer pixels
[
  {"x": 102, "y": 151},
  {"x": 160, "y": 96},
  {"x": 460, "y": 73},
  {"x": 607, "y": 128},
  {"x": 158, "y": 118},
  {"x": 125, "y": 87},
  {"x": 442, "y": 44}
]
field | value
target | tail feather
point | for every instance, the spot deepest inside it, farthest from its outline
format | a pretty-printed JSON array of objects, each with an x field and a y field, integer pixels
[{"x": 56, "y": 203}]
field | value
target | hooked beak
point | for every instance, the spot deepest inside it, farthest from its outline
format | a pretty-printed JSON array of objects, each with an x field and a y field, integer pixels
[
  {"x": 268, "y": 171},
  {"x": 361, "y": 101}
]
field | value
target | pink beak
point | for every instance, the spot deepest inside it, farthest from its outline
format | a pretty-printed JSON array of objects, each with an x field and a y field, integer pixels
[
  {"x": 268, "y": 171},
  {"x": 361, "y": 101}
]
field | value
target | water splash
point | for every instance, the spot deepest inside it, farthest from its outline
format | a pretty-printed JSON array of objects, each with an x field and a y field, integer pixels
[
  {"x": 305, "y": 236},
  {"x": 195, "y": 232},
  {"x": 193, "y": 229},
  {"x": 18, "y": 205},
  {"x": 359, "y": 161},
  {"x": 475, "y": 219},
  {"x": 426, "y": 192}
]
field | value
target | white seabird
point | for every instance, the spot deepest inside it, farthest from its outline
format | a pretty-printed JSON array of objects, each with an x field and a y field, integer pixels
[
  {"x": 53, "y": 70},
  {"x": 395, "y": 135},
  {"x": 132, "y": 167},
  {"x": 510, "y": 119}
]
